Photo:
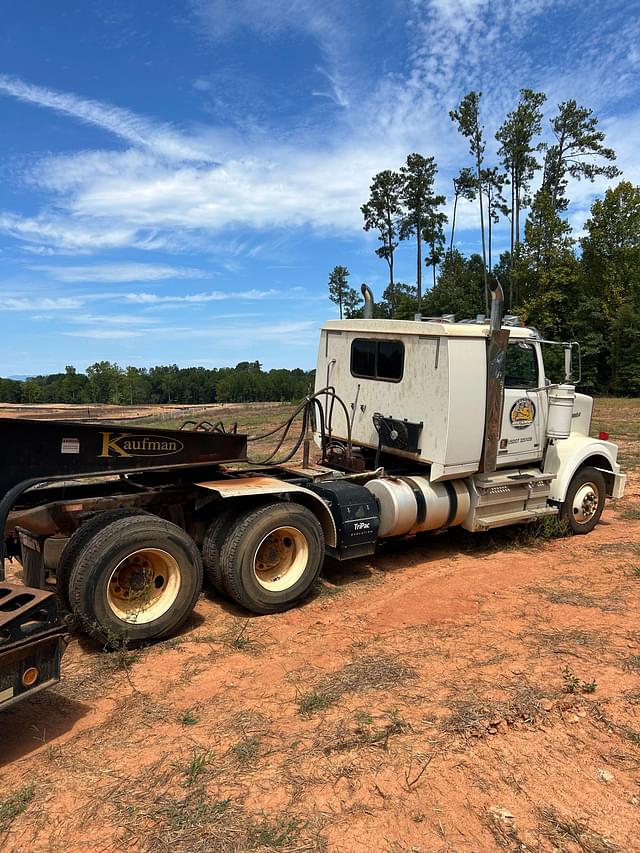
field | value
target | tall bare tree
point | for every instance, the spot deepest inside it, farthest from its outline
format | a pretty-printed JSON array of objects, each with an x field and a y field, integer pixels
[
  {"x": 494, "y": 181},
  {"x": 518, "y": 154},
  {"x": 418, "y": 175},
  {"x": 464, "y": 186},
  {"x": 467, "y": 117},
  {"x": 382, "y": 213}
]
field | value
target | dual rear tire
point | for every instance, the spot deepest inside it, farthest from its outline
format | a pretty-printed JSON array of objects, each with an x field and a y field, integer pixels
[
  {"x": 129, "y": 575},
  {"x": 267, "y": 558}
]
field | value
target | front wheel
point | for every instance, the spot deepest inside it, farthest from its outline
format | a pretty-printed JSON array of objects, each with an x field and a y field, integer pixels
[
  {"x": 584, "y": 502},
  {"x": 137, "y": 579},
  {"x": 272, "y": 556}
]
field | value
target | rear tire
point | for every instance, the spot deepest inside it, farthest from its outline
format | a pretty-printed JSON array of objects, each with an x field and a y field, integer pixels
[
  {"x": 137, "y": 579},
  {"x": 212, "y": 546},
  {"x": 78, "y": 541},
  {"x": 584, "y": 501},
  {"x": 272, "y": 557}
]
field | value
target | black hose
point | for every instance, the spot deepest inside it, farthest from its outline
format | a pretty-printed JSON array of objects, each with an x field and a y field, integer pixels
[{"x": 305, "y": 408}]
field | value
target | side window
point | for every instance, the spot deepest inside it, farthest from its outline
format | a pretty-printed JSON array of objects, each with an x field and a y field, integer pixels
[
  {"x": 522, "y": 366},
  {"x": 377, "y": 359}
]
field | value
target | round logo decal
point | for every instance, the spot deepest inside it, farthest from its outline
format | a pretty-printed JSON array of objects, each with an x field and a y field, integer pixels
[{"x": 522, "y": 413}]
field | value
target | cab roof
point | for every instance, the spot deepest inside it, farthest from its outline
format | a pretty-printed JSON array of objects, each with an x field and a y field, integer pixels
[{"x": 422, "y": 328}]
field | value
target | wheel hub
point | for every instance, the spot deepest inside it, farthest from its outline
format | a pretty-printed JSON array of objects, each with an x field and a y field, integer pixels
[
  {"x": 143, "y": 585},
  {"x": 585, "y": 503},
  {"x": 281, "y": 558}
]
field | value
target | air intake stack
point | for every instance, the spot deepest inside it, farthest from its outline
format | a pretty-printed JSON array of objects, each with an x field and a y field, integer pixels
[{"x": 496, "y": 360}]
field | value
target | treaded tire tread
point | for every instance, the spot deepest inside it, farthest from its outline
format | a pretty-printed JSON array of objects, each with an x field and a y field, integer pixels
[
  {"x": 80, "y": 538},
  {"x": 584, "y": 475},
  {"x": 231, "y": 558},
  {"x": 212, "y": 547},
  {"x": 94, "y": 562}
]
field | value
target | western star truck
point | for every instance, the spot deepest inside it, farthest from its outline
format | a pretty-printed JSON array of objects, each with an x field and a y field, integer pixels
[{"x": 420, "y": 426}]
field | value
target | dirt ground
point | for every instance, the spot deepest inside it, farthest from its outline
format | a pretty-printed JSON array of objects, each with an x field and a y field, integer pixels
[
  {"x": 175, "y": 412},
  {"x": 456, "y": 693}
]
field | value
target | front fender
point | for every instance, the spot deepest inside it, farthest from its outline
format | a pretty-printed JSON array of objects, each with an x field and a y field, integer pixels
[{"x": 565, "y": 456}]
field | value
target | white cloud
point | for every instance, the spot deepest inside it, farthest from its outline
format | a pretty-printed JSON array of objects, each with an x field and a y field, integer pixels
[
  {"x": 39, "y": 303},
  {"x": 198, "y": 298},
  {"x": 132, "y": 128},
  {"x": 108, "y": 334},
  {"x": 116, "y": 273},
  {"x": 160, "y": 194}
]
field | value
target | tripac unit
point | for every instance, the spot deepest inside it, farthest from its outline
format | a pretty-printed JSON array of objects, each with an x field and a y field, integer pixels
[{"x": 355, "y": 512}]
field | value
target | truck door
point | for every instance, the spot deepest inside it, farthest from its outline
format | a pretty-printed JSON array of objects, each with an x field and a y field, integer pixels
[{"x": 525, "y": 408}]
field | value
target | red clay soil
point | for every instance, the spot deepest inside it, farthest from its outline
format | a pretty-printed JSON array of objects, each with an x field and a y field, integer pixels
[{"x": 457, "y": 693}]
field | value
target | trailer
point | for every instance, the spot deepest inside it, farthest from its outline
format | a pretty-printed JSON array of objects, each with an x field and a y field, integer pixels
[{"x": 418, "y": 426}]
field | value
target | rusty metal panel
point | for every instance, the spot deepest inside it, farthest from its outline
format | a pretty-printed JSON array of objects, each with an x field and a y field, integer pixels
[
  {"x": 239, "y": 486},
  {"x": 263, "y": 485}
]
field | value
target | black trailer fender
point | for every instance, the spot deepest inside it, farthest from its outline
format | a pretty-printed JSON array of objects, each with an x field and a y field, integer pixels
[{"x": 259, "y": 486}]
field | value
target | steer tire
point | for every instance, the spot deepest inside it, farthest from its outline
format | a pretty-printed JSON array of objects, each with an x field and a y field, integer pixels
[
  {"x": 272, "y": 556},
  {"x": 584, "y": 501},
  {"x": 79, "y": 539},
  {"x": 212, "y": 546},
  {"x": 137, "y": 579}
]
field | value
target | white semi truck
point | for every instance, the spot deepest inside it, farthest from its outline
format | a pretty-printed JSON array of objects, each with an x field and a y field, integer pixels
[{"x": 419, "y": 425}]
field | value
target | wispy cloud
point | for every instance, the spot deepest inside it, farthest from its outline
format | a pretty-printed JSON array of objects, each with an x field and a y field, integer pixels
[
  {"x": 39, "y": 303},
  {"x": 165, "y": 192},
  {"x": 132, "y": 128},
  {"x": 199, "y": 298},
  {"x": 119, "y": 273}
]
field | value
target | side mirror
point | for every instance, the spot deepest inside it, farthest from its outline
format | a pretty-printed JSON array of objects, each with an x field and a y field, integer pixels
[{"x": 569, "y": 373}]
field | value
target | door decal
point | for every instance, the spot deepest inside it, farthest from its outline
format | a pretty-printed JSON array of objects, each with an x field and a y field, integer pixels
[{"x": 523, "y": 413}]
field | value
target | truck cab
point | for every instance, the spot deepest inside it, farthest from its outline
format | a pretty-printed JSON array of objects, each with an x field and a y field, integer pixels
[{"x": 418, "y": 400}]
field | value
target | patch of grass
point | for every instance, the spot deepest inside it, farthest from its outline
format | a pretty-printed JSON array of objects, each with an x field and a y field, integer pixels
[
  {"x": 275, "y": 834},
  {"x": 477, "y": 716},
  {"x": 559, "y": 829},
  {"x": 501, "y": 825},
  {"x": 14, "y": 804},
  {"x": 187, "y": 717},
  {"x": 578, "y": 598},
  {"x": 193, "y": 811},
  {"x": 312, "y": 702},
  {"x": 194, "y": 768},
  {"x": 636, "y": 571},
  {"x": 562, "y": 642},
  {"x": 541, "y": 531},
  {"x": 245, "y": 751},
  {"x": 632, "y": 663},
  {"x": 372, "y": 672},
  {"x": 366, "y": 733},
  {"x": 572, "y": 684},
  {"x": 633, "y": 513}
]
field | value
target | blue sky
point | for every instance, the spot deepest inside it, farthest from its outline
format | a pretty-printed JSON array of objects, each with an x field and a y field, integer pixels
[{"x": 177, "y": 179}]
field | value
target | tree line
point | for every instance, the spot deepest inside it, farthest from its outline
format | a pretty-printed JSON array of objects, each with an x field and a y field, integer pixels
[
  {"x": 583, "y": 288},
  {"x": 107, "y": 382}
]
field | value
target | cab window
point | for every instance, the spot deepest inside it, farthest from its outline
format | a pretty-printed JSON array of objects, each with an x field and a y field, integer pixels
[
  {"x": 521, "y": 366},
  {"x": 371, "y": 359}
]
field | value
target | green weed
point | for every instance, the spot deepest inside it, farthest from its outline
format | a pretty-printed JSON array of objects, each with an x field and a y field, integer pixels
[
  {"x": 15, "y": 804},
  {"x": 572, "y": 684}
]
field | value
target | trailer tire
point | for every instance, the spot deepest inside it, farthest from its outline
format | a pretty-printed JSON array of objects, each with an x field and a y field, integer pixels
[
  {"x": 136, "y": 580},
  {"x": 79, "y": 539},
  {"x": 584, "y": 500},
  {"x": 212, "y": 546},
  {"x": 272, "y": 556}
]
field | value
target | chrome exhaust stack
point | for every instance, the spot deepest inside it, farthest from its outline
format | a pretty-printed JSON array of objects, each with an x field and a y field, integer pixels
[
  {"x": 368, "y": 302},
  {"x": 496, "y": 362}
]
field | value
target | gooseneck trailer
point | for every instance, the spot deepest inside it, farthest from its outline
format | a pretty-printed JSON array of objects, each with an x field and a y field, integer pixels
[{"x": 420, "y": 426}]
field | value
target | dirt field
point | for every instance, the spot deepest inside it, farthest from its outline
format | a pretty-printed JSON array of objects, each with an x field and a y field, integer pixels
[{"x": 457, "y": 693}]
